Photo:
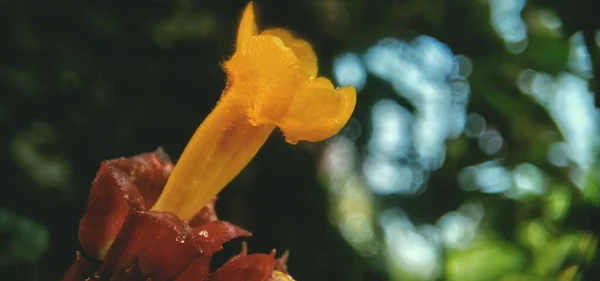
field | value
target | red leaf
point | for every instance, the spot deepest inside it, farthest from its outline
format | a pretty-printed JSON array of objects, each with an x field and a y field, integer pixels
[
  {"x": 198, "y": 270},
  {"x": 131, "y": 273},
  {"x": 244, "y": 251},
  {"x": 79, "y": 270},
  {"x": 205, "y": 215},
  {"x": 145, "y": 245},
  {"x": 281, "y": 262},
  {"x": 211, "y": 236},
  {"x": 255, "y": 267},
  {"x": 111, "y": 197},
  {"x": 148, "y": 171},
  {"x": 158, "y": 242}
]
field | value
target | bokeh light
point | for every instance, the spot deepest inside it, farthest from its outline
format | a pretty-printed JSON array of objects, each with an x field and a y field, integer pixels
[
  {"x": 411, "y": 144},
  {"x": 349, "y": 71},
  {"x": 409, "y": 247},
  {"x": 571, "y": 106},
  {"x": 410, "y": 129},
  {"x": 505, "y": 16}
]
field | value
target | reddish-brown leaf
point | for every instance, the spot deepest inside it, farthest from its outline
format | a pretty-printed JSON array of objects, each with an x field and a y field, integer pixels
[
  {"x": 244, "y": 250},
  {"x": 281, "y": 262},
  {"x": 111, "y": 197},
  {"x": 79, "y": 270},
  {"x": 198, "y": 270},
  {"x": 211, "y": 236},
  {"x": 131, "y": 273},
  {"x": 148, "y": 171},
  {"x": 138, "y": 245},
  {"x": 254, "y": 267},
  {"x": 158, "y": 242},
  {"x": 205, "y": 215}
]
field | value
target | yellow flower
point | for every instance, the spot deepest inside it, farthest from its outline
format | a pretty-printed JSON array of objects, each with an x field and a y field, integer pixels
[
  {"x": 280, "y": 276},
  {"x": 272, "y": 82}
]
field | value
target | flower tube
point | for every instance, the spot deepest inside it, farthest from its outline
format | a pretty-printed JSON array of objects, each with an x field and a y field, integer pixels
[{"x": 272, "y": 82}]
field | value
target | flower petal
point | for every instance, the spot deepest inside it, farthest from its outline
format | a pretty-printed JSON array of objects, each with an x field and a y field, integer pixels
[
  {"x": 247, "y": 27},
  {"x": 280, "y": 276},
  {"x": 211, "y": 236},
  {"x": 148, "y": 171},
  {"x": 131, "y": 273},
  {"x": 318, "y": 112},
  {"x": 111, "y": 197},
  {"x": 158, "y": 242},
  {"x": 219, "y": 149},
  {"x": 255, "y": 267},
  {"x": 302, "y": 49},
  {"x": 121, "y": 184},
  {"x": 264, "y": 74},
  {"x": 199, "y": 269},
  {"x": 80, "y": 270},
  {"x": 205, "y": 215},
  {"x": 281, "y": 262}
]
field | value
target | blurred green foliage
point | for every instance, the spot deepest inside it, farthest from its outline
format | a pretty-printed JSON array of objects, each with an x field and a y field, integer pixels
[{"x": 81, "y": 82}]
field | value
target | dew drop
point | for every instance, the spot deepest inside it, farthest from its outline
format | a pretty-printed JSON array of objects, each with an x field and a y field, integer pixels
[
  {"x": 93, "y": 278},
  {"x": 203, "y": 233},
  {"x": 180, "y": 239}
]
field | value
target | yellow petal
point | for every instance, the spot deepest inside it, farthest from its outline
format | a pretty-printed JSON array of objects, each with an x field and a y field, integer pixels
[
  {"x": 280, "y": 276},
  {"x": 267, "y": 74},
  {"x": 302, "y": 49},
  {"x": 318, "y": 112},
  {"x": 221, "y": 147},
  {"x": 247, "y": 27},
  {"x": 271, "y": 81},
  {"x": 322, "y": 82}
]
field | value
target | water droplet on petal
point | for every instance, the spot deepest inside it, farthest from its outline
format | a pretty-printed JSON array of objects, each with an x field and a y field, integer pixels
[
  {"x": 93, "y": 278},
  {"x": 180, "y": 239}
]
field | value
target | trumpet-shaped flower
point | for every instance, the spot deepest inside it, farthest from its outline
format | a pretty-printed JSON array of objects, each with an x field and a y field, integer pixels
[
  {"x": 272, "y": 82},
  {"x": 149, "y": 219}
]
